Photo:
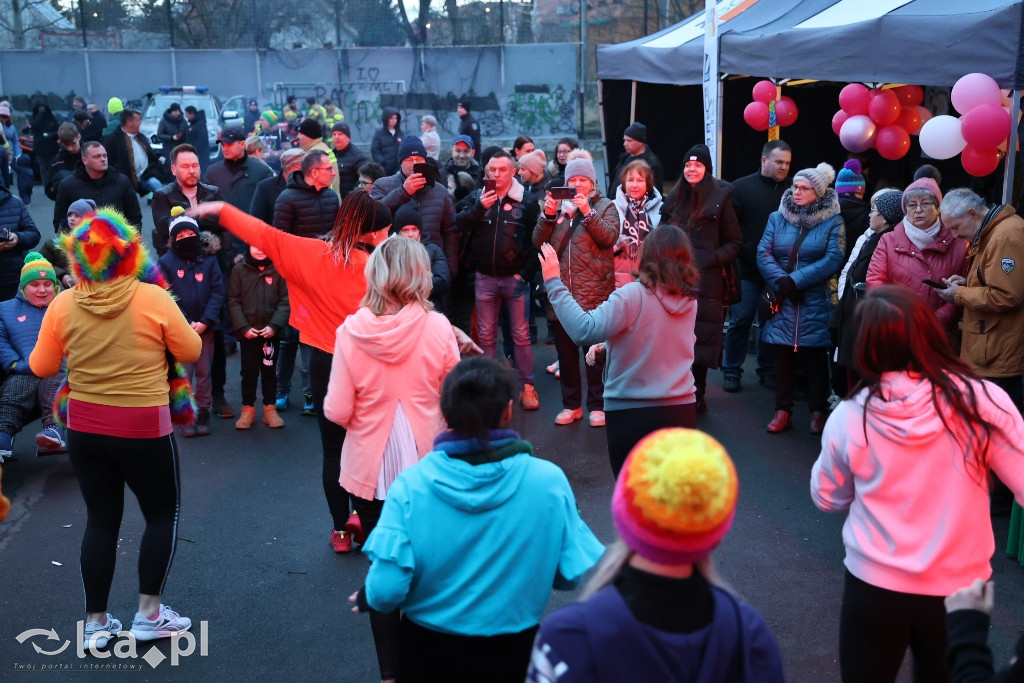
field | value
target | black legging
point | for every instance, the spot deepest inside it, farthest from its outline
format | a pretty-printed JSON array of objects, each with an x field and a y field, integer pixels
[
  {"x": 876, "y": 626},
  {"x": 104, "y": 464},
  {"x": 625, "y": 428},
  {"x": 332, "y": 438}
]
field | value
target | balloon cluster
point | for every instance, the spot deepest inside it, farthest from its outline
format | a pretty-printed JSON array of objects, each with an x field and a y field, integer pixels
[
  {"x": 883, "y": 119},
  {"x": 979, "y": 134},
  {"x": 759, "y": 114}
]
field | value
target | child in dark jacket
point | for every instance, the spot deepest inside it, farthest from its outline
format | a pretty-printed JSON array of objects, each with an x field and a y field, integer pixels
[
  {"x": 407, "y": 223},
  {"x": 22, "y": 392},
  {"x": 198, "y": 287},
  {"x": 258, "y": 304}
]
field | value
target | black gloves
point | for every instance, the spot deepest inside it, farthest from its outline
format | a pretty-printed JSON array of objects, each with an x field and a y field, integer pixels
[{"x": 786, "y": 288}]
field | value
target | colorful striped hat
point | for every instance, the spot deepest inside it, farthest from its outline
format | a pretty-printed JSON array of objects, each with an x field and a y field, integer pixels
[
  {"x": 675, "y": 497},
  {"x": 37, "y": 268},
  {"x": 850, "y": 179},
  {"x": 105, "y": 246},
  {"x": 270, "y": 116}
]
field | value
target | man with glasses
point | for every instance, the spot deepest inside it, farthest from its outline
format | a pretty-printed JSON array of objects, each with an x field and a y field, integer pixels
[
  {"x": 349, "y": 158},
  {"x": 311, "y": 135}
]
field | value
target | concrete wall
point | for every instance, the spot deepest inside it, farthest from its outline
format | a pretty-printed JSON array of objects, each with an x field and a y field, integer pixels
[{"x": 515, "y": 89}]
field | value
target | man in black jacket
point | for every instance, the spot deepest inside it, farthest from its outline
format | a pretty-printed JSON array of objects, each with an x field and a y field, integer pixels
[
  {"x": 236, "y": 176},
  {"x": 754, "y": 197},
  {"x": 198, "y": 136},
  {"x": 68, "y": 156},
  {"x": 269, "y": 189},
  {"x": 387, "y": 140},
  {"x": 349, "y": 157},
  {"x": 463, "y": 161},
  {"x": 131, "y": 154},
  {"x": 634, "y": 141},
  {"x": 308, "y": 205},
  {"x": 186, "y": 191},
  {"x": 467, "y": 124},
  {"x": 94, "y": 179},
  {"x": 500, "y": 225}
]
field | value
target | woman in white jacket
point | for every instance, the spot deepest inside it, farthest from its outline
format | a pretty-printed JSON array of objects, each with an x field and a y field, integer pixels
[{"x": 908, "y": 456}]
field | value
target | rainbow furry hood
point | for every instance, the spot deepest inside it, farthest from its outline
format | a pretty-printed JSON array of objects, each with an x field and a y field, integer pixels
[{"x": 105, "y": 246}]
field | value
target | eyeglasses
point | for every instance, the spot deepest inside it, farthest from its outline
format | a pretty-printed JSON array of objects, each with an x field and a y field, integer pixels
[
  {"x": 803, "y": 188},
  {"x": 364, "y": 183},
  {"x": 924, "y": 206},
  {"x": 329, "y": 169}
]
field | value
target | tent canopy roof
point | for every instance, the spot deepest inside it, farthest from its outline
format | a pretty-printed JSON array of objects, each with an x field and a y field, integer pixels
[{"x": 930, "y": 42}]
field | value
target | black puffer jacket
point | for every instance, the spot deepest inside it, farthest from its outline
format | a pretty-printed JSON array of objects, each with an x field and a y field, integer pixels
[
  {"x": 716, "y": 239},
  {"x": 349, "y": 160},
  {"x": 15, "y": 217},
  {"x": 303, "y": 210},
  {"x": 587, "y": 264},
  {"x": 112, "y": 189},
  {"x": 384, "y": 148},
  {"x": 168, "y": 128},
  {"x": 437, "y": 212}
]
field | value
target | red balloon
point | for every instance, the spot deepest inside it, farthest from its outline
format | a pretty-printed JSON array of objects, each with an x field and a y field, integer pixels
[
  {"x": 838, "y": 120},
  {"x": 854, "y": 99},
  {"x": 910, "y": 95},
  {"x": 764, "y": 91},
  {"x": 892, "y": 142},
  {"x": 985, "y": 126},
  {"x": 756, "y": 115},
  {"x": 909, "y": 119},
  {"x": 979, "y": 161},
  {"x": 884, "y": 108},
  {"x": 785, "y": 111}
]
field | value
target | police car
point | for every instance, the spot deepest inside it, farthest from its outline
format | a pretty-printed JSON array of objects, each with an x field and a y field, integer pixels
[{"x": 198, "y": 96}]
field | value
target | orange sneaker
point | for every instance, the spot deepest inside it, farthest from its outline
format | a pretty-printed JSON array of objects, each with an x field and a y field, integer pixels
[
  {"x": 528, "y": 398},
  {"x": 340, "y": 541}
]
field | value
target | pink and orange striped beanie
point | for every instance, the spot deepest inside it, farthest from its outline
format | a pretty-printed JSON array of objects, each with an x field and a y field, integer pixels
[{"x": 675, "y": 497}]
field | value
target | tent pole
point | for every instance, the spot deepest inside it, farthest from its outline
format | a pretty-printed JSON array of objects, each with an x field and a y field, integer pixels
[
  {"x": 632, "y": 104},
  {"x": 604, "y": 137},
  {"x": 1010, "y": 163}
]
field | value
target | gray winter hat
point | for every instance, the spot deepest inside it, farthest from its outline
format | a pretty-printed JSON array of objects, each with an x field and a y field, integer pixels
[
  {"x": 580, "y": 163},
  {"x": 82, "y": 207},
  {"x": 820, "y": 177}
]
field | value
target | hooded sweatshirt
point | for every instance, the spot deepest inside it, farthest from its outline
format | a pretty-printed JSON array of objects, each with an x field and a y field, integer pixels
[
  {"x": 519, "y": 535},
  {"x": 641, "y": 370},
  {"x": 115, "y": 335},
  {"x": 378, "y": 362},
  {"x": 918, "y": 518}
]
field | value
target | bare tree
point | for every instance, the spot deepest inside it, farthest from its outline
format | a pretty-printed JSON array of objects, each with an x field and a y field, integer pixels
[{"x": 25, "y": 17}]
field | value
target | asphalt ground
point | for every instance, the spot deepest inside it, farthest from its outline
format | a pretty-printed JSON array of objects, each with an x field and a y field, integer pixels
[{"x": 254, "y": 571}]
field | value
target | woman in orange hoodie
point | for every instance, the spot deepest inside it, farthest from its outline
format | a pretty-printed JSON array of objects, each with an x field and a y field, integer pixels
[{"x": 326, "y": 282}]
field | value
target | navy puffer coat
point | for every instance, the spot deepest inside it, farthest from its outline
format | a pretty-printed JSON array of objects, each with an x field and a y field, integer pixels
[{"x": 804, "y": 323}]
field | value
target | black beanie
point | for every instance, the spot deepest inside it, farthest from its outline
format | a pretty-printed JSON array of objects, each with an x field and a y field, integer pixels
[
  {"x": 637, "y": 131},
  {"x": 702, "y": 154},
  {"x": 311, "y": 128},
  {"x": 407, "y": 214},
  {"x": 380, "y": 219}
]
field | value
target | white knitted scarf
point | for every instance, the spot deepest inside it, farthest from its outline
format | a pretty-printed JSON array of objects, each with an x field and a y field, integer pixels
[{"x": 922, "y": 238}]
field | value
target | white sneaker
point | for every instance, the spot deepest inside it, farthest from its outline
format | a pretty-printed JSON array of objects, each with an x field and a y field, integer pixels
[
  {"x": 597, "y": 418},
  {"x": 110, "y": 630},
  {"x": 166, "y": 624}
]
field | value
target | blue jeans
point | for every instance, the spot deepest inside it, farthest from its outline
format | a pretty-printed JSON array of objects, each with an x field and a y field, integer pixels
[
  {"x": 150, "y": 184},
  {"x": 741, "y": 317},
  {"x": 289, "y": 348},
  {"x": 491, "y": 294}
]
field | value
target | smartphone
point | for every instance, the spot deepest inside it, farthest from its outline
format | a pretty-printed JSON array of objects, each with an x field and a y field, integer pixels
[
  {"x": 427, "y": 171},
  {"x": 936, "y": 285},
  {"x": 490, "y": 185},
  {"x": 561, "y": 193}
]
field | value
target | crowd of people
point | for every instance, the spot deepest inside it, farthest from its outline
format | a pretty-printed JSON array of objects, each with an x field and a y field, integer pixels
[{"x": 897, "y": 312}]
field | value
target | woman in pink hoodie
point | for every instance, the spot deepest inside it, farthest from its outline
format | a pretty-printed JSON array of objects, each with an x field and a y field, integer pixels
[
  {"x": 909, "y": 456},
  {"x": 390, "y": 359}
]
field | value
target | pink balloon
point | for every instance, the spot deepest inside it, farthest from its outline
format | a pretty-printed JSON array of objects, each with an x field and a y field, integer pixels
[
  {"x": 909, "y": 119},
  {"x": 854, "y": 99},
  {"x": 785, "y": 111},
  {"x": 892, "y": 142},
  {"x": 756, "y": 115},
  {"x": 857, "y": 133},
  {"x": 973, "y": 90},
  {"x": 979, "y": 161},
  {"x": 764, "y": 91},
  {"x": 925, "y": 113},
  {"x": 884, "y": 108},
  {"x": 909, "y": 95},
  {"x": 985, "y": 126},
  {"x": 838, "y": 120}
]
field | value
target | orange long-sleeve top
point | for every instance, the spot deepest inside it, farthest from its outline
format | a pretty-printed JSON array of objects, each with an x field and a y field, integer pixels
[{"x": 323, "y": 290}]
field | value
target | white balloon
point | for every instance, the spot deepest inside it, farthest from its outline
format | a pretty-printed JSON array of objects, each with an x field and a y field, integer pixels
[{"x": 940, "y": 137}]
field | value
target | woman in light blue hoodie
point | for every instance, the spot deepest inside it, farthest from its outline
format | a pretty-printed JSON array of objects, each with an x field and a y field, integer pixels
[
  {"x": 471, "y": 601},
  {"x": 648, "y": 327}
]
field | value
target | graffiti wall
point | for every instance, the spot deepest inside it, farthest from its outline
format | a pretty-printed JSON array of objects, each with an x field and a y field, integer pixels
[{"x": 512, "y": 90}]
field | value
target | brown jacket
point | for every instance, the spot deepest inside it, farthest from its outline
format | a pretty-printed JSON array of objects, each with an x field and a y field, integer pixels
[
  {"x": 587, "y": 264},
  {"x": 993, "y": 298}
]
